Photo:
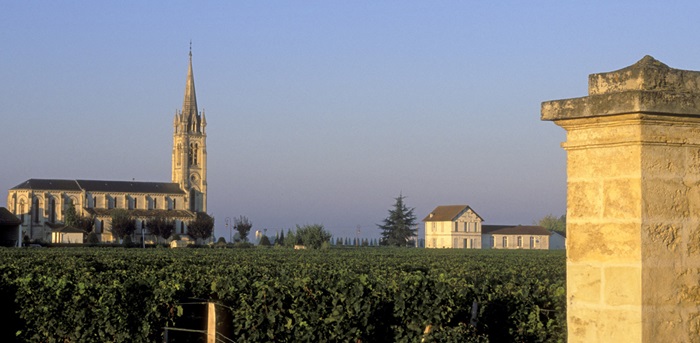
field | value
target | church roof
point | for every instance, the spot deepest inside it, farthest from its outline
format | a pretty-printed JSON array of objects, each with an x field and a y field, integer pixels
[
  {"x": 101, "y": 186},
  {"x": 49, "y": 184},
  {"x": 447, "y": 213}
]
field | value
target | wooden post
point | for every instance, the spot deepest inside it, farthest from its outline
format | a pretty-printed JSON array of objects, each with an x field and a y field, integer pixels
[{"x": 211, "y": 322}]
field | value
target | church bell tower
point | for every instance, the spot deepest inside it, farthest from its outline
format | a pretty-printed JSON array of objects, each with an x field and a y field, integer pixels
[{"x": 189, "y": 160}]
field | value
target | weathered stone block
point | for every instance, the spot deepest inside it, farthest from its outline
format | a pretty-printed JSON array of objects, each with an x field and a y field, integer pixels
[
  {"x": 623, "y": 285},
  {"x": 621, "y": 198},
  {"x": 616, "y": 242},
  {"x": 585, "y": 199},
  {"x": 584, "y": 283}
]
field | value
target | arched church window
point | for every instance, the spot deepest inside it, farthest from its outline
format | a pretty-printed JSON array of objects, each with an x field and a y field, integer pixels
[
  {"x": 35, "y": 210},
  {"x": 52, "y": 210}
]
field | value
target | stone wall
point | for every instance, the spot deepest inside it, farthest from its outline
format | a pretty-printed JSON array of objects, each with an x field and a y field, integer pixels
[{"x": 633, "y": 205}]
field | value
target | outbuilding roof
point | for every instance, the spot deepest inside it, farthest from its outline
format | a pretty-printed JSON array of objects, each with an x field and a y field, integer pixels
[
  {"x": 448, "y": 213},
  {"x": 101, "y": 186},
  {"x": 7, "y": 218}
]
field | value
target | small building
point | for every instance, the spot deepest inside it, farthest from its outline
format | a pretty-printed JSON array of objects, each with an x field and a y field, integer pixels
[
  {"x": 453, "y": 226},
  {"x": 557, "y": 240},
  {"x": 10, "y": 235},
  {"x": 67, "y": 234},
  {"x": 515, "y": 237}
]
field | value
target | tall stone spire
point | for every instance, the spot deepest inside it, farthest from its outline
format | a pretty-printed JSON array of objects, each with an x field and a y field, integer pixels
[
  {"x": 189, "y": 158},
  {"x": 189, "y": 104}
]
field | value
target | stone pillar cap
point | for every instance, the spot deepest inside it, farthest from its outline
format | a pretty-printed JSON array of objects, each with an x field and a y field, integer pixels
[{"x": 647, "y": 86}]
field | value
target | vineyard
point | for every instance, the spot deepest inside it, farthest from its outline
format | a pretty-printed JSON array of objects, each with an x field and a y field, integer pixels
[{"x": 279, "y": 295}]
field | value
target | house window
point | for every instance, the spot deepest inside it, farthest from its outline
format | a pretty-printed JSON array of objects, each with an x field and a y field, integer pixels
[
  {"x": 102, "y": 225},
  {"x": 465, "y": 243},
  {"x": 174, "y": 204},
  {"x": 94, "y": 202},
  {"x": 136, "y": 203},
  {"x": 155, "y": 203},
  {"x": 520, "y": 241},
  {"x": 505, "y": 241},
  {"x": 434, "y": 226},
  {"x": 456, "y": 228},
  {"x": 466, "y": 225},
  {"x": 182, "y": 227},
  {"x": 116, "y": 202},
  {"x": 532, "y": 242},
  {"x": 434, "y": 242}
]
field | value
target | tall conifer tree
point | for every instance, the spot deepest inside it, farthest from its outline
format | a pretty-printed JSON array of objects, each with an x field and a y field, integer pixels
[{"x": 400, "y": 226}]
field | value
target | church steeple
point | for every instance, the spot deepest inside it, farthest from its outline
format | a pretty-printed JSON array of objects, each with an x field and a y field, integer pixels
[
  {"x": 189, "y": 104},
  {"x": 189, "y": 159}
]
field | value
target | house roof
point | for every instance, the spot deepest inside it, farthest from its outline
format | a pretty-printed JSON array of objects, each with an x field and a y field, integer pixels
[
  {"x": 514, "y": 230},
  {"x": 101, "y": 186},
  {"x": 7, "y": 218},
  {"x": 104, "y": 212},
  {"x": 447, "y": 213}
]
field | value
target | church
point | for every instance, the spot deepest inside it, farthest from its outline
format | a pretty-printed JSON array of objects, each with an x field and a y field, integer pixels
[{"x": 41, "y": 204}]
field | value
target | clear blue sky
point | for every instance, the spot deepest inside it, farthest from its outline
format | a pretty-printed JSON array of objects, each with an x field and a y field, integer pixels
[{"x": 321, "y": 111}]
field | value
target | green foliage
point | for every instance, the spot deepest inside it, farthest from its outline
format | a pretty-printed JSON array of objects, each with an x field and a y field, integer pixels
[
  {"x": 201, "y": 227},
  {"x": 265, "y": 241},
  {"x": 127, "y": 242},
  {"x": 243, "y": 226},
  {"x": 221, "y": 240},
  {"x": 400, "y": 226},
  {"x": 280, "y": 239},
  {"x": 123, "y": 224},
  {"x": 72, "y": 218},
  {"x": 291, "y": 239},
  {"x": 175, "y": 237},
  {"x": 341, "y": 295},
  {"x": 312, "y": 236},
  {"x": 160, "y": 226},
  {"x": 71, "y": 215},
  {"x": 553, "y": 223},
  {"x": 92, "y": 238}
]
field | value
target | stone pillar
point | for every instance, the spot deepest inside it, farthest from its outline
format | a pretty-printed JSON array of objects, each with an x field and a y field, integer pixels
[{"x": 633, "y": 205}]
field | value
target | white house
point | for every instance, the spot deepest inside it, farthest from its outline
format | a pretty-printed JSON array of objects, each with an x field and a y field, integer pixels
[{"x": 453, "y": 226}]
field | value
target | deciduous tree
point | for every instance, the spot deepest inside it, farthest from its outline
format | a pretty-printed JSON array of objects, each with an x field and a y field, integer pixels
[
  {"x": 552, "y": 223},
  {"x": 201, "y": 227},
  {"x": 400, "y": 226},
  {"x": 243, "y": 226},
  {"x": 160, "y": 226},
  {"x": 312, "y": 236},
  {"x": 123, "y": 224}
]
